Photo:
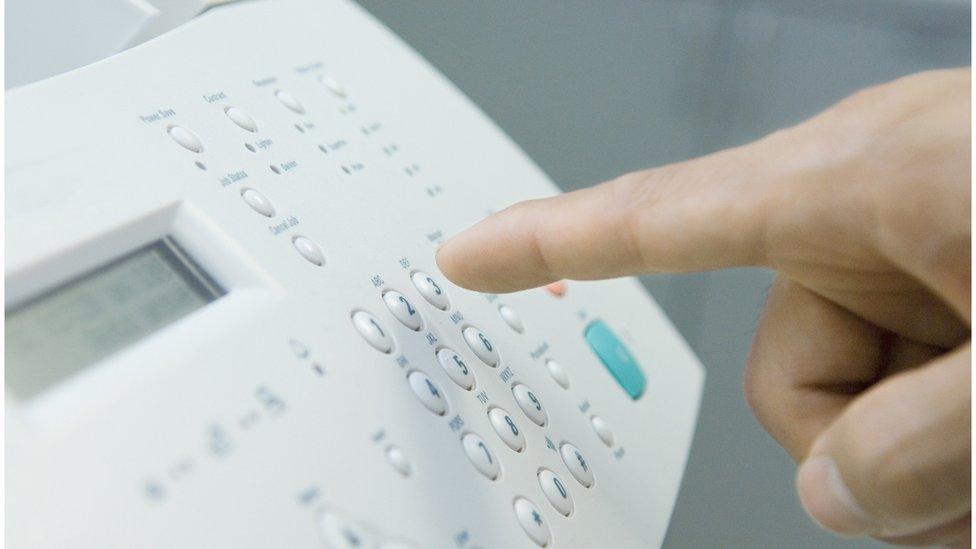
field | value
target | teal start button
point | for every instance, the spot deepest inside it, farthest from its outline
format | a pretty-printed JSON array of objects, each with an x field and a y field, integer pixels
[{"x": 616, "y": 357}]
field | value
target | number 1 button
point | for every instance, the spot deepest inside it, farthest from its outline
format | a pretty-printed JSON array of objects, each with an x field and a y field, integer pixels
[{"x": 372, "y": 331}]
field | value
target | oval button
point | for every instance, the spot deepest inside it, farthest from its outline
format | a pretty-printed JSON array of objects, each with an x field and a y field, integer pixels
[
  {"x": 456, "y": 368},
  {"x": 187, "y": 139},
  {"x": 428, "y": 392},
  {"x": 532, "y": 522},
  {"x": 289, "y": 101},
  {"x": 258, "y": 202},
  {"x": 340, "y": 532},
  {"x": 529, "y": 403},
  {"x": 241, "y": 118},
  {"x": 511, "y": 318},
  {"x": 372, "y": 331},
  {"x": 556, "y": 492},
  {"x": 602, "y": 430},
  {"x": 506, "y": 429},
  {"x": 481, "y": 345},
  {"x": 558, "y": 373},
  {"x": 480, "y": 456},
  {"x": 403, "y": 310},
  {"x": 577, "y": 464},
  {"x": 309, "y": 250},
  {"x": 431, "y": 290}
]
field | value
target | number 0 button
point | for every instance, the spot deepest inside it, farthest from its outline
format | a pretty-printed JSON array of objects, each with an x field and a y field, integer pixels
[
  {"x": 556, "y": 492},
  {"x": 507, "y": 430},
  {"x": 455, "y": 367},
  {"x": 431, "y": 290},
  {"x": 481, "y": 345},
  {"x": 402, "y": 309},
  {"x": 529, "y": 403},
  {"x": 372, "y": 331},
  {"x": 428, "y": 392},
  {"x": 480, "y": 456}
]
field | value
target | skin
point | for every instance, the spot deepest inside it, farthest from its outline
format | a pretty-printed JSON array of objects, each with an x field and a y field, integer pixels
[{"x": 861, "y": 362}]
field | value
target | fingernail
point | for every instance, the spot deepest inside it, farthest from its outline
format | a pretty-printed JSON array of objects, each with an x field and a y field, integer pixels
[{"x": 828, "y": 501}]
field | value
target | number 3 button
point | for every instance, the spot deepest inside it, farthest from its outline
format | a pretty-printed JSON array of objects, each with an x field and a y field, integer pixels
[
  {"x": 402, "y": 309},
  {"x": 455, "y": 367},
  {"x": 481, "y": 345},
  {"x": 431, "y": 290},
  {"x": 506, "y": 428}
]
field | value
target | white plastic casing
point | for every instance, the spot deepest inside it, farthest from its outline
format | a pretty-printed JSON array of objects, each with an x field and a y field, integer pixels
[{"x": 243, "y": 423}]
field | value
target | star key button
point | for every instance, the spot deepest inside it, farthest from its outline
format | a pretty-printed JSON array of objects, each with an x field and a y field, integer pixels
[{"x": 532, "y": 522}]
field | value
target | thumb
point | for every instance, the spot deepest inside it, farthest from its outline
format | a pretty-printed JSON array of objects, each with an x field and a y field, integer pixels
[{"x": 896, "y": 463}]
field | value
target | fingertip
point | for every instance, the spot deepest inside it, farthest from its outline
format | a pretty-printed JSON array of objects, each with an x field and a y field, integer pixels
[{"x": 828, "y": 501}]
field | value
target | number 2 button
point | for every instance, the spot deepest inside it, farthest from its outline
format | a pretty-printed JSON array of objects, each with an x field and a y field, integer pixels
[{"x": 402, "y": 309}]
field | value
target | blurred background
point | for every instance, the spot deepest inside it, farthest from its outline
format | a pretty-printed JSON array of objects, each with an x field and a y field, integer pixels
[{"x": 593, "y": 89}]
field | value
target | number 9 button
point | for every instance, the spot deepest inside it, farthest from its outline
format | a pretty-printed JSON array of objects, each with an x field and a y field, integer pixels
[
  {"x": 529, "y": 403},
  {"x": 506, "y": 428},
  {"x": 455, "y": 367}
]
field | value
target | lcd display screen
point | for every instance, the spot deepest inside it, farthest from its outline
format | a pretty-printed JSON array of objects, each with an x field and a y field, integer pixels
[{"x": 74, "y": 325}]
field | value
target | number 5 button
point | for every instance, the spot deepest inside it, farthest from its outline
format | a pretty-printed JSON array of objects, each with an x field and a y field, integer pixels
[
  {"x": 481, "y": 345},
  {"x": 402, "y": 309},
  {"x": 372, "y": 331},
  {"x": 455, "y": 367},
  {"x": 506, "y": 428},
  {"x": 480, "y": 456}
]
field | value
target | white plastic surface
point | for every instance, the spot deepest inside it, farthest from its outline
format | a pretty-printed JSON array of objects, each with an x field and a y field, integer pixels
[{"x": 234, "y": 426}]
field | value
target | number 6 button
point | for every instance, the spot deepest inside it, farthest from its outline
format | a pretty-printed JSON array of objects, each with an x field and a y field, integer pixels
[
  {"x": 456, "y": 368},
  {"x": 431, "y": 290},
  {"x": 481, "y": 345},
  {"x": 506, "y": 428},
  {"x": 402, "y": 309}
]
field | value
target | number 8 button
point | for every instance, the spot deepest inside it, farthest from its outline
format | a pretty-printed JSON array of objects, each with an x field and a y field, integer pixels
[
  {"x": 455, "y": 367},
  {"x": 481, "y": 345},
  {"x": 506, "y": 428}
]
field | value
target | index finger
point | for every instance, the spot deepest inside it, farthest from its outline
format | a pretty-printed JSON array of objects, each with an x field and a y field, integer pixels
[{"x": 702, "y": 214}]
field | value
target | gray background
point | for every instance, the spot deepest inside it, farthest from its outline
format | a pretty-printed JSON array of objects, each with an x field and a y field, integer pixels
[{"x": 594, "y": 89}]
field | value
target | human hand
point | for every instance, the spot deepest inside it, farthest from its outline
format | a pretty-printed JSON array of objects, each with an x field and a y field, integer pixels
[{"x": 861, "y": 362}]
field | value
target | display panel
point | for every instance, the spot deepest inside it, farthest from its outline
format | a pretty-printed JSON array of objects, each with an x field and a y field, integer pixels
[{"x": 78, "y": 323}]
